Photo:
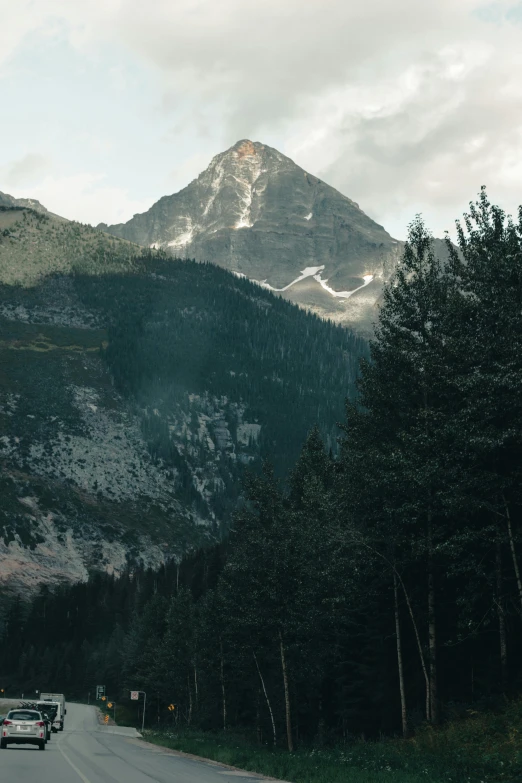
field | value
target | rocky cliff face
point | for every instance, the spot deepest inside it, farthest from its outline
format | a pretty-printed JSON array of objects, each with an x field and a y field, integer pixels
[
  {"x": 258, "y": 214},
  {"x": 131, "y": 402}
]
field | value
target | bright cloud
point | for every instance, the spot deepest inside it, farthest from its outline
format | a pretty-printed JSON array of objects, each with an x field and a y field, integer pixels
[{"x": 88, "y": 198}]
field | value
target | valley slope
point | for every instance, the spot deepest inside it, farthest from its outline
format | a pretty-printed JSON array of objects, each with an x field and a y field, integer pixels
[
  {"x": 35, "y": 243},
  {"x": 132, "y": 400}
]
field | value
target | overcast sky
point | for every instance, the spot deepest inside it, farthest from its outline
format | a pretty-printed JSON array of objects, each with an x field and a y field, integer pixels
[{"x": 406, "y": 106}]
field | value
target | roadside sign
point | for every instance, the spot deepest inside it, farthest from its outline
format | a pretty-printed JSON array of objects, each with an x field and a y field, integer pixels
[
  {"x": 135, "y": 695},
  {"x": 100, "y": 691},
  {"x": 104, "y": 698},
  {"x": 109, "y": 705},
  {"x": 106, "y": 719},
  {"x": 172, "y": 707}
]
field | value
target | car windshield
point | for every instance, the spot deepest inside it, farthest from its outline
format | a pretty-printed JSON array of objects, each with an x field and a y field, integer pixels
[{"x": 23, "y": 715}]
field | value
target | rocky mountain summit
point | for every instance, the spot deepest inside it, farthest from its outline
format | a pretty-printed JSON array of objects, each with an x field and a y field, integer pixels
[
  {"x": 28, "y": 203},
  {"x": 256, "y": 213}
]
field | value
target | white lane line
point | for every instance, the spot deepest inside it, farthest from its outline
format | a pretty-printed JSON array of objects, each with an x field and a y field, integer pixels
[{"x": 68, "y": 760}]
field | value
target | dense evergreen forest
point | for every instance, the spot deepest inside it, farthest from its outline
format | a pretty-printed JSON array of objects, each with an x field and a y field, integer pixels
[
  {"x": 373, "y": 590},
  {"x": 179, "y": 328}
]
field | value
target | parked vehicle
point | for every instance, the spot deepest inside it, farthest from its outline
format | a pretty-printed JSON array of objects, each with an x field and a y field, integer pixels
[
  {"x": 56, "y": 698},
  {"x": 23, "y": 727}
]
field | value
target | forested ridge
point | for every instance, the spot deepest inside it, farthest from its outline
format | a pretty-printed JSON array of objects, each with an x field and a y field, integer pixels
[
  {"x": 376, "y": 589},
  {"x": 208, "y": 372},
  {"x": 180, "y": 327}
]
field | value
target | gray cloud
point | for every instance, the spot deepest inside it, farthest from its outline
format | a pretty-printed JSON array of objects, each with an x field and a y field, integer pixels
[
  {"x": 26, "y": 169},
  {"x": 403, "y": 106},
  {"x": 413, "y": 105},
  {"x": 434, "y": 150}
]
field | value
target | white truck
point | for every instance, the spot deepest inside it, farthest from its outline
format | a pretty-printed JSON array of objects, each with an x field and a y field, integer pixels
[{"x": 59, "y": 699}]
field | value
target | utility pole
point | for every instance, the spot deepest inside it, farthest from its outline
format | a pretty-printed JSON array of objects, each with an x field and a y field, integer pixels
[
  {"x": 144, "y": 703},
  {"x": 135, "y": 695}
]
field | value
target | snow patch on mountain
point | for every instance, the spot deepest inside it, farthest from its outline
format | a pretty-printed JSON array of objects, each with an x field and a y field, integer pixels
[
  {"x": 343, "y": 294},
  {"x": 310, "y": 271},
  {"x": 251, "y": 169},
  {"x": 215, "y": 185},
  {"x": 186, "y": 237},
  {"x": 315, "y": 272}
]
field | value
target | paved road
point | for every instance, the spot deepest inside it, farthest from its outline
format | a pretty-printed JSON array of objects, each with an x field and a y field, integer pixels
[{"x": 84, "y": 753}]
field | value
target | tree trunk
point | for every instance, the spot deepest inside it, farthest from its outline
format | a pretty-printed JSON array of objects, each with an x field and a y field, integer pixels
[
  {"x": 287, "y": 696},
  {"x": 267, "y": 699},
  {"x": 320, "y": 724},
  {"x": 223, "y": 695},
  {"x": 432, "y": 630},
  {"x": 413, "y": 622},
  {"x": 419, "y": 644},
  {"x": 404, "y": 711},
  {"x": 259, "y": 733},
  {"x": 501, "y": 618},
  {"x": 196, "y": 694},
  {"x": 189, "y": 719},
  {"x": 513, "y": 550}
]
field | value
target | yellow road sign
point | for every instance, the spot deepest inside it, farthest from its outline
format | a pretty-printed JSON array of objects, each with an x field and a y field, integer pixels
[
  {"x": 104, "y": 698},
  {"x": 172, "y": 707},
  {"x": 106, "y": 719},
  {"x": 110, "y": 705}
]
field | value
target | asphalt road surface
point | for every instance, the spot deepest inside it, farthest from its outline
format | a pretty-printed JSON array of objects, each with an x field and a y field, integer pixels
[{"x": 85, "y": 753}]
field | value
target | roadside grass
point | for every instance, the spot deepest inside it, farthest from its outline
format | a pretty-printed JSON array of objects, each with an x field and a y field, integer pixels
[
  {"x": 472, "y": 748},
  {"x": 312, "y": 766}
]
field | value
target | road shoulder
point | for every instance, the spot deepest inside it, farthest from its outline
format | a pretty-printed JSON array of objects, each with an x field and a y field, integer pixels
[{"x": 181, "y": 754}]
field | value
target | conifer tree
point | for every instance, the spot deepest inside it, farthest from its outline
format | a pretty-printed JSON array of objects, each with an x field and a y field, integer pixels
[
  {"x": 403, "y": 393},
  {"x": 486, "y": 310}
]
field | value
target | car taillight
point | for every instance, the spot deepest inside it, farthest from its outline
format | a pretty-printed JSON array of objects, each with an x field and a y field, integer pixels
[
  {"x": 7, "y": 722},
  {"x": 40, "y": 723}
]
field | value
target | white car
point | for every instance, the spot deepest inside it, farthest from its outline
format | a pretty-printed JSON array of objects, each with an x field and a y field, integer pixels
[{"x": 23, "y": 727}]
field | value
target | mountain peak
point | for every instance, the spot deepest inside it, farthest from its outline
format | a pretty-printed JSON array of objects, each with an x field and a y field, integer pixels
[
  {"x": 257, "y": 213},
  {"x": 26, "y": 203},
  {"x": 249, "y": 152},
  {"x": 245, "y": 148}
]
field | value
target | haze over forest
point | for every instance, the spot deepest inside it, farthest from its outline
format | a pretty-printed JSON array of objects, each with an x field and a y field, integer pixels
[{"x": 260, "y": 412}]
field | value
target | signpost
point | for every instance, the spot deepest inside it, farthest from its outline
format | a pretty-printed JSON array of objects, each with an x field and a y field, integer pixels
[{"x": 135, "y": 695}]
